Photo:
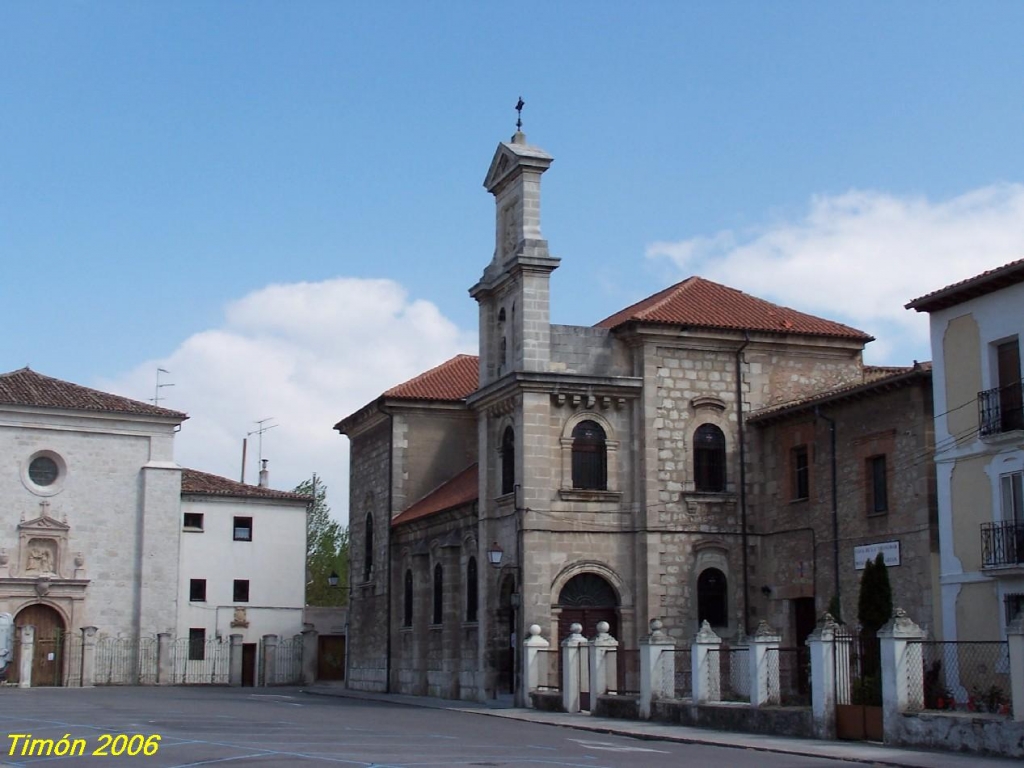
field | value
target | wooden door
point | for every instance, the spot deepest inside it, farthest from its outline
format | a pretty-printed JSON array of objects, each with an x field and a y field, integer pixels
[
  {"x": 249, "y": 665},
  {"x": 47, "y": 660},
  {"x": 330, "y": 658}
]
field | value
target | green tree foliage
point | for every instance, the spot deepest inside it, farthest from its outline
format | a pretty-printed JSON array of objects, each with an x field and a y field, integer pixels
[
  {"x": 874, "y": 604},
  {"x": 326, "y": 549}
]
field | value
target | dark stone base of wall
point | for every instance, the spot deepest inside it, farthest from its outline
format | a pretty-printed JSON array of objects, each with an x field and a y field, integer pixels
[
  {"x": 620, "y": 707},
  {"x": 962, "y": 732},
  {"x": 547, "y": 701},
  {"x": 776, "y": 721}
]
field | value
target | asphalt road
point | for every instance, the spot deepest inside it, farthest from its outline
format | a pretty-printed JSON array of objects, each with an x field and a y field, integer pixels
[{"x": 241, "y": 727}]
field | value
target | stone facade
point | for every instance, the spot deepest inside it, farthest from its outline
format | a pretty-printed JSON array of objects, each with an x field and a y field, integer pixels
[
  {"x": 891, "y": 418},
  {"x": 615, "y": 469}
]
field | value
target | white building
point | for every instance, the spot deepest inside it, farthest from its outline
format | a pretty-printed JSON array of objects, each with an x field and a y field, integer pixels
[
  {"x": 976, "y": 328},
  {"x": 92, "y": 527}
]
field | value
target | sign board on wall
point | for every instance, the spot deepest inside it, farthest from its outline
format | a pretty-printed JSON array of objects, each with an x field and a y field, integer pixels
[{"x": 890, "y": 551}]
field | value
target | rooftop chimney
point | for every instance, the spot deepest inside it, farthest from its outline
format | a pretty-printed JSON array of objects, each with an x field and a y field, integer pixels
[{"x": 264, "y": 474}]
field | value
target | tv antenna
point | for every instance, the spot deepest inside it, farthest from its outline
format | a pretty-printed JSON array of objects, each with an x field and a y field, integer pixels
[
  {"x": 155, "y": 400},
  {"x": 261, "y": 427}
]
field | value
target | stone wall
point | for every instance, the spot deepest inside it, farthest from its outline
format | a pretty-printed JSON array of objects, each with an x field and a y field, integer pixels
[
  {"x": 776, "y": 721},
  {"x": 586, "y": 350},
  {"x": 981, "y": 734},
  {"x": 792, "y": 562}
]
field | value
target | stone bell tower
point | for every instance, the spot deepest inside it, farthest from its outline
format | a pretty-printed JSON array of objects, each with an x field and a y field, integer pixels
[{"x": 513, "y": 293}]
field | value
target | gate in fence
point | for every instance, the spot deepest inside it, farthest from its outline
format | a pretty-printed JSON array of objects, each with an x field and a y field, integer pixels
[
  {"x": 196, "y": 661},
  {"x": 858, "y": 665}
]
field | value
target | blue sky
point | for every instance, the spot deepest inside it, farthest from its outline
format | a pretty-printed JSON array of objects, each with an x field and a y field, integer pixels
[{"x": 281, "y": 202}]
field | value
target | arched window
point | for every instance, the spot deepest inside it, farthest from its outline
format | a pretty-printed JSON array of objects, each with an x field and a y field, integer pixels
[
  {"x": 589, "y": 457},
  {"x": 712, "y": 598},
  {"x": 368, "y": 548},
  {"x": 438, "y": 594},
  {"x": 508, "y": 461},
  {"x": 709, "y": 458},
  {"x": 471, "y": 590},
  {"x": 407, "y": 605}
]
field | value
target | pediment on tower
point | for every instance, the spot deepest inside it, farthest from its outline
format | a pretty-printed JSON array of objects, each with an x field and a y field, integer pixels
[{"x": 514, "y": 154}]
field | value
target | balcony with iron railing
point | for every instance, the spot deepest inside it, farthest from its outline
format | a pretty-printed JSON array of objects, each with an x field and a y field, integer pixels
[
  {"x": 1001, "y": 409},
  {"x": 1002, "y": 544}
]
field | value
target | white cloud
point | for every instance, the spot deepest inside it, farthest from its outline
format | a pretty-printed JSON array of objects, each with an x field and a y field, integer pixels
[
  {"x": 859, "y": 257},
  {"x": 306, "y": 354}
]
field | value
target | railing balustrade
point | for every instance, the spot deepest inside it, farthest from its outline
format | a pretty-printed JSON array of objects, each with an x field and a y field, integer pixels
[{"x": 1002, "y": 544}]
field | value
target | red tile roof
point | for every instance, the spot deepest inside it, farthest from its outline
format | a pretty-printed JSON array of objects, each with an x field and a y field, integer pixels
[
  {"x": 204, "y": 484},
  {"x": 460, "y": 490},
  {"x": 971, "y": 288},
  {"x": 701, "y": 303},
  {"x": 453, "y": 379},
  {"x": 876, "y": 379},
  {"x": 28, "y": 388}
]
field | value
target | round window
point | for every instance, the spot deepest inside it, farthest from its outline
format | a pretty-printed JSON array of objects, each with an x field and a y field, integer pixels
[{"x": 43, "y": 471}]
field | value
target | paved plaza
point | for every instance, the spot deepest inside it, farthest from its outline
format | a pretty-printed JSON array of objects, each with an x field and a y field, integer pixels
[{"x": 287, "y": 726}]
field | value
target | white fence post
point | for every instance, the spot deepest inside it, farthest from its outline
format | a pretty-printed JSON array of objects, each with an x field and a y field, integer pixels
[
  {"x": 1015, "y": 645},
  {"x": 571, "y": 668},
  {"x": 532, "y": 647},
  {"x": 310, "y": 655},
  {"x": 235, "y": 660},
  {"x": 657, "y": 668},
  {"x": 822, "y": 642},
  {"x": 764, "y": 666},
  {"x": 902, "y": 670},
  {"x": 603, "y": 670},
  {"x": 164, "y": 667},
  {"x": 706, "y": 667},
  {"x": 27, "y": 639},
  {"x": 269, "y": 660},
  {"x": 88, "y": 671}
]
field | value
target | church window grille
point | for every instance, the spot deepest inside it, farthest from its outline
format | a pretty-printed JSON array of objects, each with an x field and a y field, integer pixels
[
  {"x": 471, "y": 590},
  {"x": 508, "y": 461},
  {"x": 589, "y": 457},
  {"x": 712, "y": 598},
  {"x": 43, "y": 471},
  {"x": 438, "y": 616},
  {"x": 407, "y": 604},
  {"x": 368, "y": 548},
  {"x": 709, "y": 458},
  {"x": 587, "y": 590}
]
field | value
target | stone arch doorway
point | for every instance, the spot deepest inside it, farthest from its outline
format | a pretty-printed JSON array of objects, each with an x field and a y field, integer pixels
[
  {"x": 587, "y": 599},
  {"x": 48, "y": 656}
]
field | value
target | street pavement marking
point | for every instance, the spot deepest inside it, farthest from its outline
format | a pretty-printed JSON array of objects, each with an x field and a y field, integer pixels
[{"x": 608, "y": 746}]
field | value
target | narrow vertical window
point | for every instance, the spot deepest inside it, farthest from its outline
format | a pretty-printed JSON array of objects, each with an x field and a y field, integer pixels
[
  {"x": 878, "y": 499},
  {"x": 589, "y": 457},
  {"x": 709, "y": 458},
  {"x": 508, "y": 461},
  {"x": 471, "y": 589},
  {"x": 438, "y": 594},
  {"x": 801, "y": 473},
  {"x": 368, "y": 548},
  {"x": 1011, "y": 402},
  {"x": 407, "y": 604}
]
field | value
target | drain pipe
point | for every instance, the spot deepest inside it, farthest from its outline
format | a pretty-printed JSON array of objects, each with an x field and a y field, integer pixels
[
  {"x": 743, "y": 481},
  {"x": 835, "y": 507}
]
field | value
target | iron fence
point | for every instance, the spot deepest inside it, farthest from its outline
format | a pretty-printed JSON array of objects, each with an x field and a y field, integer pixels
[
  {"x": 733, "y": 666},
  {"x": 966, "y": 676},
  {"x": 125, "y": 660},
  {"x": 858, "y": 660},
  {"x": 681, "y": 684},
  {"x": 200, "y": 662},
  {"x": 627, "y": 671},
  {"x": 548, "y": 671},
  {"x": 288, "y": 661},
  {"x": 792, "y": 668}
]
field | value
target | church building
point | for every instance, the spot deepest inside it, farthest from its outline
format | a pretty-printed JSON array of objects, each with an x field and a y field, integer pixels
[{"x": 571, "y": 473}]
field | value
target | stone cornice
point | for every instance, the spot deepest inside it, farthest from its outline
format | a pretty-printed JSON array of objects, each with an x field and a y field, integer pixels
[{"x": 612, "y": 387}]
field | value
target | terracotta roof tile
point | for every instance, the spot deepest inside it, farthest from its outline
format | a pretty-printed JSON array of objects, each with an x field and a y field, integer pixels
[
  {"x": 453, "y": 379},
  {"x": 875, "y": 379},
  {"x": 701, "y": 303},
  {"x": 461, "y": 489},
  {"x": 28, "y": 388},
  {"x": 971, "y": 288},
  {"x": 204, "y": 484}
]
